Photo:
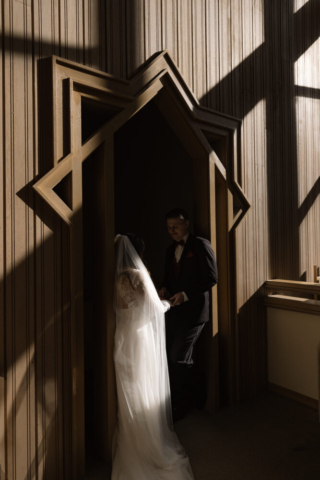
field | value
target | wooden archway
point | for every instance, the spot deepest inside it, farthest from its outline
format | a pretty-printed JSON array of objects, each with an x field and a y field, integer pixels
[{"x": 203, "y": 132}]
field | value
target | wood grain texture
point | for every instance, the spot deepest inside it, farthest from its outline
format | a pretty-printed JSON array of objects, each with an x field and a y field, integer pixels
[
  {"x": 252, "y": 59},
  {"x": 186, "y": 117},
  {"x": 35, "y": 395},
  {"x": 239, "y": 58},
  {"x": 2, "y": 273}
]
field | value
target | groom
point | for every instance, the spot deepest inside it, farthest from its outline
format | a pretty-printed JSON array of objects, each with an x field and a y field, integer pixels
[{"x": 190, "y": 273}]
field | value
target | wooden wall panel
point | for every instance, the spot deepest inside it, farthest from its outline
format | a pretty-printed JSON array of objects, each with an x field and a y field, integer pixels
[
  {"x": 34, "y": 245},
  {"x": 256, "y": 60},
  {"x": 169, "y": 21},
  {"x": 307, "y": 71},
  {"x": 95, "y": 42},
  {"x": 116, "y": 38},
  {"x": 2, "y": 269},
  {"x": 212, "y": 97},
  {"x": 184, "y": 15},
  {"x": 199, "y": 46},
  {"x": 239, "y": 58},
  {"x": 74, "y": 40},
  {"x": 135, "y": 30},
  {"x": 153, "y": 34}
]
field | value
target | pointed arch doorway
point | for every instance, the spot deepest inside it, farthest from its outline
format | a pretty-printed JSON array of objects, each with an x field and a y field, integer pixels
[{"x": 90, "y": 115}]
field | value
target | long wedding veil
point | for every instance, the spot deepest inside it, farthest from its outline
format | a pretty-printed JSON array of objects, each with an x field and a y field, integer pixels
[
  {"x": 144, "y": 442},
  {"x": 146, "y": 345}
]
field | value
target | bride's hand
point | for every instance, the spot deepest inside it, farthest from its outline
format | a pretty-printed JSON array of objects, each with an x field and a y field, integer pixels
[
  {"x": 163, "y": 293},
  {"x": 166, "y": 305}
]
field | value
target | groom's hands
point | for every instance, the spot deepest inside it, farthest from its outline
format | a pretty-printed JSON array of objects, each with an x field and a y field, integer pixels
[{"x": 177, "y": 299}]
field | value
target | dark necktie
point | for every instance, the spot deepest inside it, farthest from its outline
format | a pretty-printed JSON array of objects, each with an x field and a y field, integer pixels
[
  {"x": 181, "y": 242},
  {"x": 176, "y": 266}
]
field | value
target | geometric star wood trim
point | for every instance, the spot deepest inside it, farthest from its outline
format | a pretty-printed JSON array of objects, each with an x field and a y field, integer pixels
[
  {"x": 69, "y": 86},
  {"x": 130, "y": 97}
]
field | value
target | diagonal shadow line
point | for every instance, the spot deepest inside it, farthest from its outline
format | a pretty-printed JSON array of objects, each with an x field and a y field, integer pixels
[
  {"x": 246, "y": 69},
  {"x": 252, "y": 62},
  {"x": 306, "y": 205},
  {"x": 307, "y": 92},
  {"x": 253, "y": 65},
  {"x": 44, "y": 331},
  {"x": 310, "y": 11},
  {"x": 277, "y": 54},
  {"x": 29, "y": 46}
]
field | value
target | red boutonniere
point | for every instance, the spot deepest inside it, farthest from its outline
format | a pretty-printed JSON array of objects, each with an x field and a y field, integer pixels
[{"x": 190, "y": 254}]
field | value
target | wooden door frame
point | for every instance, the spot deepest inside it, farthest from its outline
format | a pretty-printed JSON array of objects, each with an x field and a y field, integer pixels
[{"x": 159, "y": 80}]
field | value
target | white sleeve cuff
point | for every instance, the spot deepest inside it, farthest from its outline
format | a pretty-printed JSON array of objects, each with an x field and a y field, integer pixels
[{"x": 185, "y": 298}]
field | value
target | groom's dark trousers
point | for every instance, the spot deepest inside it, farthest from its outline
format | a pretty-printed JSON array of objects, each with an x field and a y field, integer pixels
[{"x": 195, "y": 274}]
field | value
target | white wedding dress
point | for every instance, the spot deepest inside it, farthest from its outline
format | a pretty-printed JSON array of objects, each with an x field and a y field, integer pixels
[{"x": 145, "y": 445}]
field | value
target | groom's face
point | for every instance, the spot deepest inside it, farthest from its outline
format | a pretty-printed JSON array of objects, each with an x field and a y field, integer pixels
[{"x": 177, "y": 228}]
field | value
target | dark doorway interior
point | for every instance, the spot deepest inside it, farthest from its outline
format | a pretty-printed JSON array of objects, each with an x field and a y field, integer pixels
[
  {"x": 153, "y": 173},
  {"x": 94, "y": 285}
]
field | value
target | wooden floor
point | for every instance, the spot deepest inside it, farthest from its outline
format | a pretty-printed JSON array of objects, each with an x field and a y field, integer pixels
[{"x": 270, "y": 437}]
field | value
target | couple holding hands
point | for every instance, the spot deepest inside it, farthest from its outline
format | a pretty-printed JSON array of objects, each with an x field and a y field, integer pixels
[{"x": 157, "y": 381}]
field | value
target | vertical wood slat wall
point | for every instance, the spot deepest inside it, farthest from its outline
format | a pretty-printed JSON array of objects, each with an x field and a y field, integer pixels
[
  {"x": 34, "y": 244},
  {"x": 257, "y": 60}
]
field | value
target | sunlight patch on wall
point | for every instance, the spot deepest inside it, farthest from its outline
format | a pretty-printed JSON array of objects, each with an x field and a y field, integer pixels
[
  {"x": 308, "y": 151},
  {"x": 306, "y": 68},
  {"x": 251, "y": 36},
  {"x": 297, "y": 4},
  {"x": 255, "y": 182},
  {"x": 255, "y": 142},
  {"x": 233, "y": 36},
  {"x": 308, "y": 146}
]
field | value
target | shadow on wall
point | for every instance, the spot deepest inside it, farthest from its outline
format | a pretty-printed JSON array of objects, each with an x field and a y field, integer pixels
[
  {"x": 268, "y": 74},
  {"x": 37, "y": 361},
  {"x": 36, "y": 354},
  {"x": 44, "y": 386},
  {"x": 306, "y": 205},
  {"x": 22, "y": 45}
]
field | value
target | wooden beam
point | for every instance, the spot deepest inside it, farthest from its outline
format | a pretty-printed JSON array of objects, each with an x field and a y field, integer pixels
[
  {"x": 308, "y": 288},
  {"x": 77, "y": 327},
  {"x": 295, "y": 304}
]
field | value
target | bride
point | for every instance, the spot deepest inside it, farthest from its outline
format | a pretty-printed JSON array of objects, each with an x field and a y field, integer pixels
[{"x": 145, "y": 445}]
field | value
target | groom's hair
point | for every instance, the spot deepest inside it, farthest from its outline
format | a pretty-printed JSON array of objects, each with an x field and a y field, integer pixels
[{"x": 177, "y": 213}]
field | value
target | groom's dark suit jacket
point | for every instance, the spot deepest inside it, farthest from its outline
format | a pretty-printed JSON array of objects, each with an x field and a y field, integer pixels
[{"x": 197, "y": 275}]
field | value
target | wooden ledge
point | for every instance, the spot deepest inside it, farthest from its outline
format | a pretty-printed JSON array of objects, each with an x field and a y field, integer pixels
[
  {"x": 298, "y": 397},
  {"x": 309, "y": 288},
  {"x": 296, "y": 304}
]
